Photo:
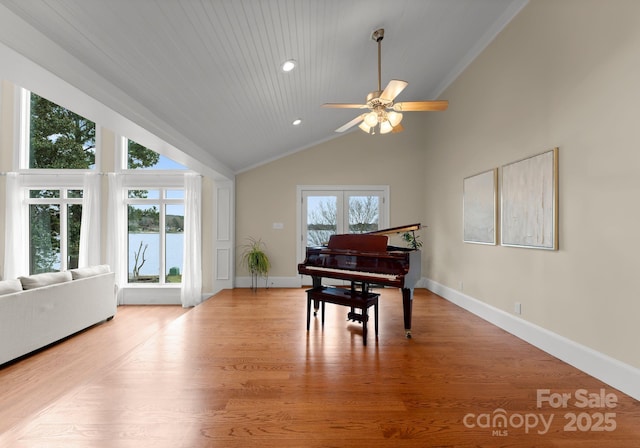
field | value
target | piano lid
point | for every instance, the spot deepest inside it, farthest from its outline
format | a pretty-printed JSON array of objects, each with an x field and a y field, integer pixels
[{"x": 399, "y": 229}]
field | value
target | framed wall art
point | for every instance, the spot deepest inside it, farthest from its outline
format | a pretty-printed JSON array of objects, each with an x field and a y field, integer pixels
[
  {"x": 479, "y": 207},
  {"x": 529, "y": 202}
]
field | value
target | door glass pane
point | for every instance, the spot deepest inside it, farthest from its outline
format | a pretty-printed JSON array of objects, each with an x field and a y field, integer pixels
[
  {"x": 44, "y": 233},
  {"x": 74, "y": 218},
  {"x": 321, "y": 219},
  {"x": 363, "y": 214},
  {"x": 174, "y": 243},
  {"x": 144, "y": 243}
]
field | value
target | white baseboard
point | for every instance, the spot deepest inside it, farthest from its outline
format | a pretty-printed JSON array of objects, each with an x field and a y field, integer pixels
[
  {"x": 152, "y": 296},
  {"x": 271, "y": 282},
  {"x": 615, "y": 373},
  {"x": 149, "y": 296}
]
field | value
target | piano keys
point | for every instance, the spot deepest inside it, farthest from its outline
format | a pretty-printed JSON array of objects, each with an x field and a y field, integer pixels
[{"x": 367, "y": 259}]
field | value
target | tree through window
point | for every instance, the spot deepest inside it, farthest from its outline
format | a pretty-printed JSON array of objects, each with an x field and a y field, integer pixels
[
  {"x": 54, "y": 229},
  {"x": 59, "y": 138}
]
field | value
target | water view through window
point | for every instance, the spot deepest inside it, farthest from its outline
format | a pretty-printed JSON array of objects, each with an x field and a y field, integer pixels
[{"x": 155, "y": 236}]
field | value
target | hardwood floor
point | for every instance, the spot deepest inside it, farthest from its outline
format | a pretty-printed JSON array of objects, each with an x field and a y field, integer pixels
[{"x": 241, "y": 370}]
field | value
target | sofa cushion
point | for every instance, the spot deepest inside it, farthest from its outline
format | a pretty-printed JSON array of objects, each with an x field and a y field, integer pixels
[
  {"x": 10, "y": 286},
  {"x": 89, "y": 271},
  {"x": 48, "y": 278}
]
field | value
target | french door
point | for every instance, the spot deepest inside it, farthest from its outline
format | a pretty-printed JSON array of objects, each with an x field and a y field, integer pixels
[{"x": 326, "y": 211}]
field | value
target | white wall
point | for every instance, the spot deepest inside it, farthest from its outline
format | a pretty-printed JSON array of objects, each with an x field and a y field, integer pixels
[{"x": 563, "y": 73}]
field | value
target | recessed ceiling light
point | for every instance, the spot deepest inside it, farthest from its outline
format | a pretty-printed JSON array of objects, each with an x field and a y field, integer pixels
[
  {"x": 297, "y": 122},
  {"x": 289, "y": 65}
]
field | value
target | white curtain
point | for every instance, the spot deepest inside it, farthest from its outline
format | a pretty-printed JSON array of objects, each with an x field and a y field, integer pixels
[
  {"x": 191, "y": 292},
  {"x": 90, "y": 224},
  {"x": 16, "y": 262},
  {"x": 116, "y": 232}
]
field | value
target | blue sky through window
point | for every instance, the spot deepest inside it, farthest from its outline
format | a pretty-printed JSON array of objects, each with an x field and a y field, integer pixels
[{"x": 166, "y": 163}]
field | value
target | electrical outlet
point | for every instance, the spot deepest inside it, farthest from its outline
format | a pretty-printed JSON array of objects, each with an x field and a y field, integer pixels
[{"x": 517, "y": 308}]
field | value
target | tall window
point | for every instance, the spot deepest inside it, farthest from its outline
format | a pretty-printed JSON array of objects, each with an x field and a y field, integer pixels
[
  {"x": 54, "y": 229},
  {"x": 155, "y": 222},
  {"x": 54, "y": 138},
  {"x": 58, "y": 137}
]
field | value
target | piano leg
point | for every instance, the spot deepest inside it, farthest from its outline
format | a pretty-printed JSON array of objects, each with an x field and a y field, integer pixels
[
  {"x": 407, "y": 305},
  {"x": 317, "y": 283}
]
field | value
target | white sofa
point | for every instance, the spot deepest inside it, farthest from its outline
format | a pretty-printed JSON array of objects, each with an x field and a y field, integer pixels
[{"x": 40, "y": 309}]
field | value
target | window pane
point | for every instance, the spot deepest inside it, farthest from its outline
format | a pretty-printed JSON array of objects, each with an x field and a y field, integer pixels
[
  {"x": 60, "y": 139},
  {"x": 363, "y": 214},
  {"x": 144, "y": 243},
  {"x": 321, "y": 219},
  {"x": 141, "y": 157},
  {"x": 44, "y": 233},
  {"x": 74, "y": 194},
  {"x": 144, "y": 194},
  {"x": 44, "y": 194},
  {"x": 174, "y": 242},
  {"x": 74, "y": 218},
  {"x": 174, "y": 194}
]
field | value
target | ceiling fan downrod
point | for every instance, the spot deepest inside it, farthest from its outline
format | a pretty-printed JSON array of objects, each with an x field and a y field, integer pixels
[{"x": 377, "y": 36}]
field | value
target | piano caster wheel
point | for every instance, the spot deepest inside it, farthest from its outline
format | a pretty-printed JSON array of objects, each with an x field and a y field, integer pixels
[{"x": 407, "y": 333}]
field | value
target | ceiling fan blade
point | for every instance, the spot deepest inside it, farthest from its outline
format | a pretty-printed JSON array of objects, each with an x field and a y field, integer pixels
[
  {"x": 345, "y": 105},
  {"x": 415, "y": 106},
  {"x": 393, "y": 89},
  {"x": 351, "y": 124}
]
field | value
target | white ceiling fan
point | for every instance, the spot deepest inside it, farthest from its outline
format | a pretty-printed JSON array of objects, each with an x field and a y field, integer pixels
[{"x": 384, "y": 115}]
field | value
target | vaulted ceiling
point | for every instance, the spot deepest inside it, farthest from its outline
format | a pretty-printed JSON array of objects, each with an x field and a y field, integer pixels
[{"x": 206, "y": 74}]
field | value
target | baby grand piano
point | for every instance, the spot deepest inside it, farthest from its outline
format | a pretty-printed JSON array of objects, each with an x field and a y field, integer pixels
[{"x": 366, "y": 259}]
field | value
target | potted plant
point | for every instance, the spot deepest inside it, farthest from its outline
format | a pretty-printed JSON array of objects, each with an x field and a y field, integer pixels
[
  {"x": 412, "y": 240},
  {"x": 255, "y": 260}
]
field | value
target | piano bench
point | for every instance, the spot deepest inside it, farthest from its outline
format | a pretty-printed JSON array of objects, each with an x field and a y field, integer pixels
[{"x": 346, "y": 297}]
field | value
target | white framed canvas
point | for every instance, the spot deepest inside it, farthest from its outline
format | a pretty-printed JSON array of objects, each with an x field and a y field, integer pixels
[
  {"x": 479, "y": 207},
  {"x": 529, "y": 202}
]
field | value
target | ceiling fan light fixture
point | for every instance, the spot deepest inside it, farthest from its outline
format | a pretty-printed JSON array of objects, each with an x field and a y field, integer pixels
[
  {"x": 385, "y": 127},
  {"x": 365, "y": 127},
  {"x": 394, "y": 118},
  {"x": 371, "y": 119}
]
